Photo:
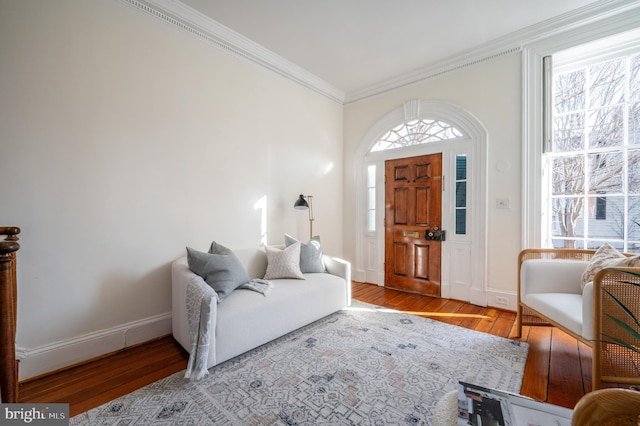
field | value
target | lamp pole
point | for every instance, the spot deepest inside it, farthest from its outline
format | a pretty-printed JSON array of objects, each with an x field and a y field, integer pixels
[{"x": 310, "y": 198}]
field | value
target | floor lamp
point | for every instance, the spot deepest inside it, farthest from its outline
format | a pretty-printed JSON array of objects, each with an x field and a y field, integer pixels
[{"x": 302, "y": 204}]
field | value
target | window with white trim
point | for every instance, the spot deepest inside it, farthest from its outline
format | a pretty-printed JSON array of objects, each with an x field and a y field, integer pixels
[
  {"x": 371, "y": 198},
  {"x": 461, "y": 194},
  {"x": 592, "y": 190}
]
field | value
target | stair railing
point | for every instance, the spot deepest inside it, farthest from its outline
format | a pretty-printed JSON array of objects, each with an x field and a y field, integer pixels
[{"x": 8, "y": 314}]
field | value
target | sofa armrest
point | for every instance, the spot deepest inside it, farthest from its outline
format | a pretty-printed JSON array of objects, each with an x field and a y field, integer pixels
[
  {"x": 340, "y": 268},
  {"x": 588, "y": 308},
  {"x": 551, "y": 276}
]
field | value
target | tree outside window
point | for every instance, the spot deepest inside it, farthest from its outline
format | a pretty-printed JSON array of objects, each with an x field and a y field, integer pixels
[{"x": 594, "y": 161}]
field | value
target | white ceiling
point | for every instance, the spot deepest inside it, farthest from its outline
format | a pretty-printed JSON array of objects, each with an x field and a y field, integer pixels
[{"x": 354, "y": 44}]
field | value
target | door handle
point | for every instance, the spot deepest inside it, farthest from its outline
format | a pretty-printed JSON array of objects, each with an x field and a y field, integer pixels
[{"x": 434, "y": 234}]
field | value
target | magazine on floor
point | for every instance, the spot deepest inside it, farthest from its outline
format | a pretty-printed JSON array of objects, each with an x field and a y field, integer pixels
[{"x": 480, "y": 406}]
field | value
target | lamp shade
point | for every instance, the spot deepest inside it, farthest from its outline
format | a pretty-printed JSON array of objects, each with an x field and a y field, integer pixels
[{"x": 301, "y": 203}]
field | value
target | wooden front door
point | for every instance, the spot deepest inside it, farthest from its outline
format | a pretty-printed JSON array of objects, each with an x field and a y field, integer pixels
[{"x": 413, "y": 207}]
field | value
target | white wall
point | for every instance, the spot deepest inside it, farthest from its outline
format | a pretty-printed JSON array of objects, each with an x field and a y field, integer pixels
[
  {"x": 490, "y": 91},
  {"x": 124, "y": 139}
]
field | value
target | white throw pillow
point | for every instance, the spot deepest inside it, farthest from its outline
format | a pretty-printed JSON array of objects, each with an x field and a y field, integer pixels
[
  {"x": 607, "y": 257},
  {"x": 283, "y": 263}
]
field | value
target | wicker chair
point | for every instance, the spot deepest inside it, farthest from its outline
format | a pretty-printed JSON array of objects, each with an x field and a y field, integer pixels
[
  {"x": 608, "y": 407},
  {"x": 612, "y": 362}
]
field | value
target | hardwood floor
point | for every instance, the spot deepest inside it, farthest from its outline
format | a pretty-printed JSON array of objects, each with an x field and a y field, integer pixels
[
  {"x": 558, "y": 368},
  {"x": 94, "y": 383}
]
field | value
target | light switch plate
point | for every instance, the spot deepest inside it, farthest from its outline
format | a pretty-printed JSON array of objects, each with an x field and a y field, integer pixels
[{"x": 502, "y": 203}]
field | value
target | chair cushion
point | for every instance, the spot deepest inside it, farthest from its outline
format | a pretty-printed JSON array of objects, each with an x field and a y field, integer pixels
[
  {"x": 551, "y": 276},
  {"x": 562, "y": 308}
]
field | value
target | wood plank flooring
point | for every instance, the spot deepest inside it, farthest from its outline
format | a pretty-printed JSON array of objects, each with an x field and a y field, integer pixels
[{"x": 558, "y": 368}]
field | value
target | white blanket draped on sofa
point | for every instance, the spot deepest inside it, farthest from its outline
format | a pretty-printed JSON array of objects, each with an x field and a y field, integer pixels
[
  {"x": 201, "y": 300},
  {"x": 202, "y": 303}
]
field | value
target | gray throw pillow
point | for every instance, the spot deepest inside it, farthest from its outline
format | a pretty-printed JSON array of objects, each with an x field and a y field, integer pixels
[
  {"x": 223, "y": 272},
  {"x": 216, "y": 248},
  {"x": 310, "y": 254}
]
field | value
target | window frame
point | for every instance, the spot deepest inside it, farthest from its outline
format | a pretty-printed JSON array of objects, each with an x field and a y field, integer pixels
[
  {"x": 534, "y": 172},
  {"x": 582, "y": 59}
]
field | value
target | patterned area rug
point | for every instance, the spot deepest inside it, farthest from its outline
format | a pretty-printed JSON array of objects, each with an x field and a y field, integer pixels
[{"x": 362, "y": 365}]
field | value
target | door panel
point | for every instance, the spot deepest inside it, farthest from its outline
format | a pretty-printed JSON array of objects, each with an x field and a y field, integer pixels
[
  {"x": 422, "y": 199},
  {"x": 423, "y": 171},
  {"x": 413, "y": 204},
  {"x": 401, "y": 212},
  {"x": 400, "y": 259},
  {"x": 422, "y": 261},
  {"x": 401, "y": 173}
]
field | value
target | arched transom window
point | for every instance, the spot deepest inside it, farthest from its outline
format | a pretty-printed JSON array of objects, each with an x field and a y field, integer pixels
[{"x": 416, "y": 132}]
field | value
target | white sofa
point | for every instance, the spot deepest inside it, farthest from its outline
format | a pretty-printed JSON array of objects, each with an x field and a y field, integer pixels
[{"x": 247, "y": 319}]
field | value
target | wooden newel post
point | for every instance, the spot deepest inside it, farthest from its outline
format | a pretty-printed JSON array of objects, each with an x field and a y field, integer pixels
[{"x": 8, "y": 314}]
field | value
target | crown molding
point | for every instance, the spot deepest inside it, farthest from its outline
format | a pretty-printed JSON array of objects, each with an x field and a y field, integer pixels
[
  {"x": 618, "y": 10},
  {"x": 212, "y": 32},
  {"x": 465, "y": 60}
]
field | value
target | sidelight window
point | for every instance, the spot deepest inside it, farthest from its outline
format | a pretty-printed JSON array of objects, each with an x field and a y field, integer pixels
[
  {"x": 461, "y": 194},
  {"x": 371, "y": 198}
]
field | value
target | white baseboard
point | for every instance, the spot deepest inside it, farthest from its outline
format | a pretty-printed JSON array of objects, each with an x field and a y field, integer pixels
[
  {"x": 502, "y": 299},
  {"x": 57, "y": 355},
  {"x": 446, "y": 291},
  {"x": 358, "y": 275},
  {"x": 371, "y": 277}
]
